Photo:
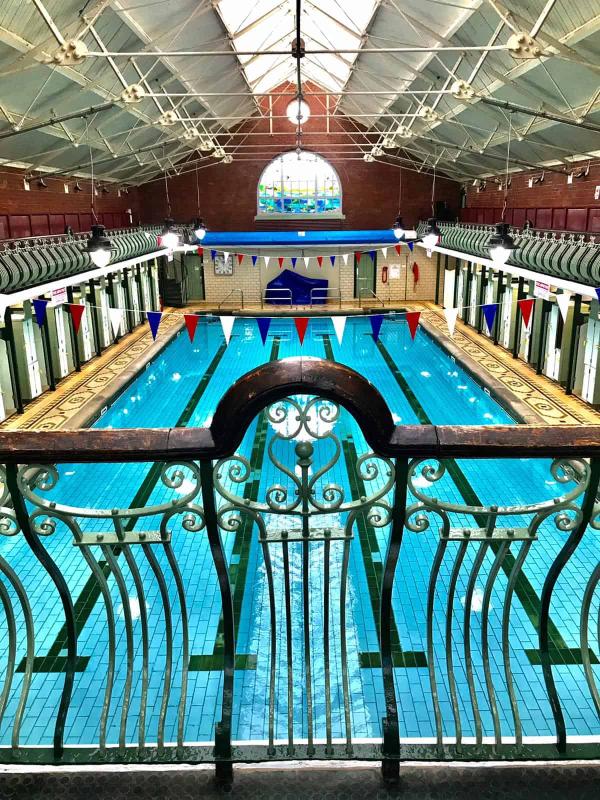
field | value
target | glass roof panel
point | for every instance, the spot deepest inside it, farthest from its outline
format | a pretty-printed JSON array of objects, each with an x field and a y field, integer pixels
[{"x": 270, "y": 25}]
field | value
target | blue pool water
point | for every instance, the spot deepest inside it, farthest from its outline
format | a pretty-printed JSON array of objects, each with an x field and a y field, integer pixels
[{"x": 204, "y": 370}]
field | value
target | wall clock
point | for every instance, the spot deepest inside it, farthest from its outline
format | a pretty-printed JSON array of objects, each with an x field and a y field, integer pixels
[{"x": 223, "y": 266}]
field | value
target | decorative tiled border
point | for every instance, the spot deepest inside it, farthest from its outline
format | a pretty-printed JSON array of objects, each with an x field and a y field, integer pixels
[{"x": 536, "y": 392}]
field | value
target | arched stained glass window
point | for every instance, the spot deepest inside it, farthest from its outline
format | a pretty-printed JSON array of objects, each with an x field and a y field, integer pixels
[{"x": 299, "y": 183}]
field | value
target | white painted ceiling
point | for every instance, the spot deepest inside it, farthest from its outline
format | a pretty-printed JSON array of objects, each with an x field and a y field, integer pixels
[{"x": 434, "y": 44}]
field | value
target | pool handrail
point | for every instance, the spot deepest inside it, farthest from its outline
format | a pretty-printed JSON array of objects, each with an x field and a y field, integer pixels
[
  {"x": 362, "y": 291},
  {"x": 228, "y": 295},
  {"x": 326, "y": 289},
  {"x": 286, "y": 292}
]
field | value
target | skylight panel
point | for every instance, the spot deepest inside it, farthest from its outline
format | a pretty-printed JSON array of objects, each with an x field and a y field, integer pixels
[{"x": 270, "y": 25}]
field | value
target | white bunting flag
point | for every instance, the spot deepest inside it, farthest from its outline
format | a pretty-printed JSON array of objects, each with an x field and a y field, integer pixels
[
  {"x": 339, "y": 323},
  {"x": 306, "y": 261},
  {"x": 451, "y": 315},
  {"x": 225, "y": 256},
  {"x": 384, "y": 251},
  {"x": 116, "y": 319},
  {"x": 563, "y": 301},
  {"x": 346, "y": 256},
  {"x": 227, "y": 325},
  {"x": 267, "y": 259}
]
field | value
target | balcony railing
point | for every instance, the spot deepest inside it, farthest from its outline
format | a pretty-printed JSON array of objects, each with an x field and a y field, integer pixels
[
  {"x": 146, "y": 575},
  {"x": 563, "y": 255}
]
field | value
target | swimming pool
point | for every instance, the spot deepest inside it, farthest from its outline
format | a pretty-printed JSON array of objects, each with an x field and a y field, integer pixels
[{"x": 182, "y": 387}]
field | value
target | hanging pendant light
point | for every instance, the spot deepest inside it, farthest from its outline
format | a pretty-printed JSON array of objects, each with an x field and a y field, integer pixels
[
  {"x": 298, "y": 111},
  {"x": 199, "y": 229},
  {"x": 432, "y": 234},
  {"x": 501, "y": 245},
  {"x": 98, "y": 247},
  {"x": 398, "y": 228},
  {"x": 169, "y": 237}
]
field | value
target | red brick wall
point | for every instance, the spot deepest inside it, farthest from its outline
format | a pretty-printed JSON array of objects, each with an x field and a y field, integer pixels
[
  {"x": 551, "y": 204},
  {"x": 41, "y": 211},
  {"x": 228, "y": 191}
]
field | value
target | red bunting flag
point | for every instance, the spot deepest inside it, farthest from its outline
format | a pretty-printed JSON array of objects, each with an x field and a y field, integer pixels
[
  {"x": 320, "y": 261},
  {"x": 398, "y": 248},
  {"x": 240, "y": 257},
  {"x": 357, "y": 256},
  {"x": 281, "y": 259},
  {"x": 412, "y": 317},
  {"x": 191, "y": 323},
  {"x": 76, "y": 310},
  {"x": 301, "y": 326},
  {"x": 200, "y": 251},
  {"x": 526, "y": 307}
]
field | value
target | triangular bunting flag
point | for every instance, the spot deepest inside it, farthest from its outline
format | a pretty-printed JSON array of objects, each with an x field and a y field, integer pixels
[
  {"x": 384, "y": 251},
  {"x": 398, "y": 249},
  {"x": 332, "y": 259},
  {"x": 339, "y": 323},
  {"x": 154, "y": 318},
  {"x": 254, "y": 260},
  {"x": 345, "y": 256},
  {"x": 281, "y": 259},
  {"x": 489, "y": 312},
  {"x": 306, "y": 261},
  {"x": 372, "y": 253},
  {"x": 357, "y": 256},
  {"x": 320, "y": 261},
  {"x": 598, "y": 292},
  {"x": 267, "y": 259},
  {"x": 76, "y": 310},
  {"x": 213, "y": 254},
  {"x": 412, "y": 317},
  {"x": 116, "y": 318},
  {"x": 225, "y": 256},
  {"x": 227, "y": 325},
  {"x": 563, "y": 300},
  {"x": 263, "y": 326},
  {"x": 39, "y": 306},
  {"x": 451, "y": 314},
  {"x": 411, "y": 246},
  {"x": 200, "y": 251},
  {"x": 293, "y": 259},
  {"x": 301, "y": 326},
  {"x": 526, "y": 306},
  {"x": 240, "y": 257},
  {"x": 376, "y": 323},
  {"x": 191, "y": 323}
]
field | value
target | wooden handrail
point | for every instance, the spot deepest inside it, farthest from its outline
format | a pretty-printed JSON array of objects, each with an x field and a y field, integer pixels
[{"x": 272, "y": 382}]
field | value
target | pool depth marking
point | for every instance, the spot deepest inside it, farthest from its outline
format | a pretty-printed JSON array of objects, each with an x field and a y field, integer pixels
[
  {"x": 369, "y": 546},
  {"x": 560, "y": 653},
  {"x": 241, "y": 548},
  {"x": 53, "y": 661}
]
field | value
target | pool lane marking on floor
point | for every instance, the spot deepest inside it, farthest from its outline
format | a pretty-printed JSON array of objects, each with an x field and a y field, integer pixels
[
  {"x": 368, "y": 547},
  {"x": 53, "y": 661},
  {"x": 560, "y": 653},
  {"x": 241, "y": 549}
]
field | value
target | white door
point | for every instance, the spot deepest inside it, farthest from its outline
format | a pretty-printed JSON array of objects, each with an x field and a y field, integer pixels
[
  {"x": 507, "y": 305},
  {"x": 61, "y": 341},
  {"x": 490, "y": 291},
  {"x": 33, "y": 367},
  {"x": 473, "y": 299},
  {"x": 590, "y": 359},
  {"x": 552, "y": 352},
  {"x": 462, "y": 313}
]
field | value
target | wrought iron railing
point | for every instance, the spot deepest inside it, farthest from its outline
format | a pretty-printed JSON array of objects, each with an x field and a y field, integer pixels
[
  {"x": 208, "y": 506},
  {"x": 562, "y": 255}
]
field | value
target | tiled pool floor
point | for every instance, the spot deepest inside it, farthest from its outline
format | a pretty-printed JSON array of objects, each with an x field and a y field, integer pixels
[{"x": 420, "y": 384}]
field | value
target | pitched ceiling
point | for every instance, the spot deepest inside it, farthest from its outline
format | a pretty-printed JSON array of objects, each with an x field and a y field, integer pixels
[{"x": 394, "y": 67}]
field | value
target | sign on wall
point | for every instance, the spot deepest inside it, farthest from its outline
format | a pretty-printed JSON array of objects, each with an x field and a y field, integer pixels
[{"x": 541, "y": 290}]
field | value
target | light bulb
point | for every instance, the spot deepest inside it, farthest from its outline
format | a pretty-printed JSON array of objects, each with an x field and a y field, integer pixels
[
  {"x": 430, "y": 240},
  {"x": 170, "y": 240},
  {"x": 200, "y": 233},
  {"x": 298, "y": 108},
  {"x": 100, "y": 257},
  {"x": 499, "y": 254}
]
